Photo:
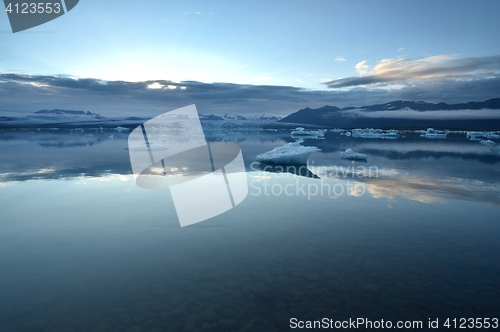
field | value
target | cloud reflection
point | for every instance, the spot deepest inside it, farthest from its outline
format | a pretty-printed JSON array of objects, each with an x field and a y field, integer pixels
[{"x": 394, "y": 185}]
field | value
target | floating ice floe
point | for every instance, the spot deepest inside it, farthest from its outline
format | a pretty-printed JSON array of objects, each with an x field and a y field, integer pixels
[
  {"x": 290, "y": 153},
  {"x": 337, "y": 130},
  {"x": 487, "y": 142},
  {"x": 350, "y": 154},
  {"x": 152, "y": 147},
  {"x": 474, "y": 135},
  {"x": 374, "y": 133},
  {"x": 432, "y": 133},
  {"x": 301, "y": 132},
  {"x": 122, "y": 129}
]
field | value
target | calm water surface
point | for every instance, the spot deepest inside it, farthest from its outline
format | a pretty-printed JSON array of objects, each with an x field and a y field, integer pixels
[{"x": 82, "y": 248}]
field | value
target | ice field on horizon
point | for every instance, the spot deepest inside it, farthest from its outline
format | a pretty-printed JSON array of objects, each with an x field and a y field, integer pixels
[
  {"x": 301, "y": 132},
  {"x": 375, "y": 133}
]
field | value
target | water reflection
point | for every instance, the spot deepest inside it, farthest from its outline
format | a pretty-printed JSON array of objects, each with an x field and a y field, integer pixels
[
  {"x": 95, "y": 252},
  {"x": 410, "y": 168},
  {"x": 299, "y": 170},
  {"x": 395, "y": 185}
]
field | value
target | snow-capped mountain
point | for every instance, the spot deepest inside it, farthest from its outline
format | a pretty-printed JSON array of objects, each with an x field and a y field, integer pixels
[
  {"x": 69, "y": 113},
  {"x": 404, "y": 114},
  {"x": 236, "y": 117},
  {"x": 71, "y": 118},
  {"x": 228, "y": 116}
]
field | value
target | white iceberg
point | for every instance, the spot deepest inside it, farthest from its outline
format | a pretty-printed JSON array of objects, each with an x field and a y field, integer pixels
[
  {"x": 487, "y": 142},
  {"x": 486, "y": 134},
  {"x": 476, "y": 134},
  {"x": 350, "y": 154},
  {"x": 374, "y": 133},
  {"x": 290, "y": 153},
  {"x": 152, "y": 147},
  {"x": 432, "y": 133},
  {"x": 301, "y": 132},
  {"x": 122, "y": 129}
]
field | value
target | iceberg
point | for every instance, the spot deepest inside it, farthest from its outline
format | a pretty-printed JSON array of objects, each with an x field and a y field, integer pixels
[
  {"x": 122, "y": 129},
  {"x": 476, "y": 134},
  {"x": 290, "y": 153},
  {"x": 487, "y": 142},
  {"x": 152, "y": 147},
  {"x": 374, "y": 133},
  {"x": 485, "y": 134},
  {"x": 350, "y": 154},
  {"x": 432, "y": 133},
  {"x": 301, "y": 132}
]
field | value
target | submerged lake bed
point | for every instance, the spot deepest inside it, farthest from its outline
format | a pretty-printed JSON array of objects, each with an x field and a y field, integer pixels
[{"x": 409, "y": 234}]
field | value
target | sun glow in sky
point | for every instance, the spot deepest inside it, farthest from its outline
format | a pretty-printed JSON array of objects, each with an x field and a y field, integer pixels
[{"x": 246, "y": 42}]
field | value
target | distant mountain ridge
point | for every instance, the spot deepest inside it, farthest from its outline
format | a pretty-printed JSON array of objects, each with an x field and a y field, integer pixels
[
  {"x": 69, "y": 112},
  {"x": 237, "y": 117},
  {"x": 60, "y": 118},
  {"x": 424, "y": 106},
  {"x": 226, "y": 116},
  {"x": 365, "y": 116}
]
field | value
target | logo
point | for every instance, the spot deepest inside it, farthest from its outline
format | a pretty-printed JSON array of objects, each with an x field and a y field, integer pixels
[
  {"x": 26, "y": 14},
  {"x": 205, "y": 179}
]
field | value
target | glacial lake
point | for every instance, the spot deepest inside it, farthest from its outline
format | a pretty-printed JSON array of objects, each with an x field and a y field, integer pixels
[{"x": 411, "y": 234}]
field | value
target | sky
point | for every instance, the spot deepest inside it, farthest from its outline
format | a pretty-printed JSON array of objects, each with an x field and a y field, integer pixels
[{"x": 251, "y": 56}]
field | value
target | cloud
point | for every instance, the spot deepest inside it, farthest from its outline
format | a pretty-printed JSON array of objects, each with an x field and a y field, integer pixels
[
  {"x": 401, "y": 49},
  {"x": 405, "y": 71},
  {"x": 340, "y": 59},
  {"x": 433, "y": 115},
  {"x": 29, "y": 93},
  {"x": 155, "y": 85},
  {"x": 361, "y": 68}
]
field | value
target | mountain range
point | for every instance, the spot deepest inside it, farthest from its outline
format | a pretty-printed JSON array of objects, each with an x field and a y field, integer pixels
[
  {"x": 72, "y": 118},
  {"x": 397, "y": 114},
  {"x": 404, "y": 114},
  {"x": 237, "y": 117}
]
